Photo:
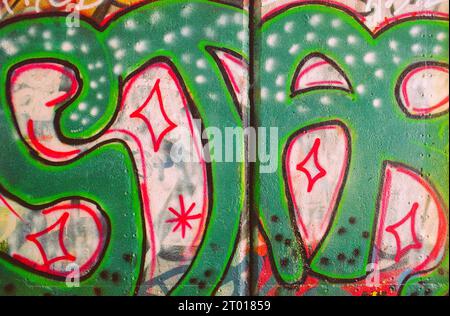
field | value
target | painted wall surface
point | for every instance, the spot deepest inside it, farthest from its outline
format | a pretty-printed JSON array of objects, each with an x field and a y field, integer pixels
[{"x": 224, "y": 148}]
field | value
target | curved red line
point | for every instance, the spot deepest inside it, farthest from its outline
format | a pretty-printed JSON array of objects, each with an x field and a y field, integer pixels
[
  {"x": 45, "y": 150},
  {"x": 404, "y": 88},
  {"x": 234, "y": 59},
  {"x": 197, "y": 149},
  {"x": 336, "y": 191},
  {"x": 425, "y": 13},
  {"x": 327, "y": 83},
  {"x": 9, "y": 207},
  {"x": 231, "y": 77},
  {"x": 58, "y": 68},
  {"x": 303, "y": 2},
  {"x": 90, "y": 262},
  {"x": 442, "y": 226},
  {"x": 308, "y": 69},
  {"x": 174, "y": 78}
]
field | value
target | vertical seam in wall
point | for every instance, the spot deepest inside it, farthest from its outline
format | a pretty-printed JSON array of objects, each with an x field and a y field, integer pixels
[{"x": 250, "y": 121}]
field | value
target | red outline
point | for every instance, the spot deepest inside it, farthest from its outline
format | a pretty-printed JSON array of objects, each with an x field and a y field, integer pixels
[
  {"x": 65, "y": 217},
  {"x": 318, "y": 83},
  {"x": 425, "y": 13},
  {"x": 306, "y": 2},
  {"x": 327, "y": 217},
  {"x": 9, "y": 207},
  {"x": 429, "y": 109},
  {"x": 228, "y": 70},
  {"x": 143, "y": 187},
  {"x": 392, "y": 229},
  {"x": 59, "y": 68},
  {"x": 45, "y": 150},
  {"x": 354, "y": 13},
  {"x": 442, "y": 225}
]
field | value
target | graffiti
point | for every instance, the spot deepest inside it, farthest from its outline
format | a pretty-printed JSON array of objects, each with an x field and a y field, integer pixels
[
  {"x": 341, "y": 94},
  {"x": 93, "y": 201}
]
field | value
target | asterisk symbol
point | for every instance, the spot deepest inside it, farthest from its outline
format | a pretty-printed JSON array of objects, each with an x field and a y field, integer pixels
[{"x": 182, "y": 219}]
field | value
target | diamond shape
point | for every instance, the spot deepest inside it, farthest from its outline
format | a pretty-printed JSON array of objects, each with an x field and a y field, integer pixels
[
  {"x": 311, "y": 167},
  {"x": 156, "y": 116}
]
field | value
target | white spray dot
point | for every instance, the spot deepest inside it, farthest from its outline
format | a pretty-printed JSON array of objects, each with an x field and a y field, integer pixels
[
  {"x": 140, "y": 46},
  {"x": 119, "y": 54},
  {"x": 94, "y": 111},
  {"x": 32, "y": 31},
  {"x": 280, "y": 80},
  {"x": 47, "y": 35},
  {"x": 200, "y": 79},
  {"x": 84, "y": 48},
  {"x": 294, "y": 49},
  {"x": 118, "y": 69},
  {"x": 82, "y": 106},
  {"x": 376, "y": 103},
  {"x": 350, "y": 59},
  {"x": 325, "y": 100},
  {"x": 310, "y": 36},
  {"x": 74, "y": 117},
  {"x": 379, "y": 73},
  {"x": 130, "y": 24},
  {"x": 416, "y": 48},
  {"x": 396, "y": 59},
  {"x": 187, "y": 10},
  {"x": 332, "y": 42},
  {"x": 186, "y": 58},
  {"x": 238, "y": 19},
  {"x": 351, "y": 39},
  {"x": 186, "y": 31},
  {"x": 222, "y": 20},
  {"x": 209, "y": 32},
  {"x": 415, "y": 31},
  {"x": 302, "y": 109},
  {"x": 393, "y": 45},
  {"x": 336, "y": 23},
  {"x": 66, "y": 46},
  {"x": 155, "y": 17},
  {"x": 264, "y": 93},
  {"x": 288, "y": 27},
  {"x": 360, "y": 89},
  {"x": 269, "y": 65},
  {"x": 213, "y": 96},
  {"x": 315, "y": 20},
  {"x": 114, "y": 43},
  {"x": 370, "y": 58},
  {"x": 169, "y": 38},
  {"x": 272, "y": 40},
  {"x": 441, "y": 36},
  {"x": 437, "y": 49},
  {"x": 71, "y": 31},
  {"x": 201, "y": 63},
  {"x": 241, "y": 35},
  {"x": 280, "y": 96},
  {"x": 48, "y": 46}
]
